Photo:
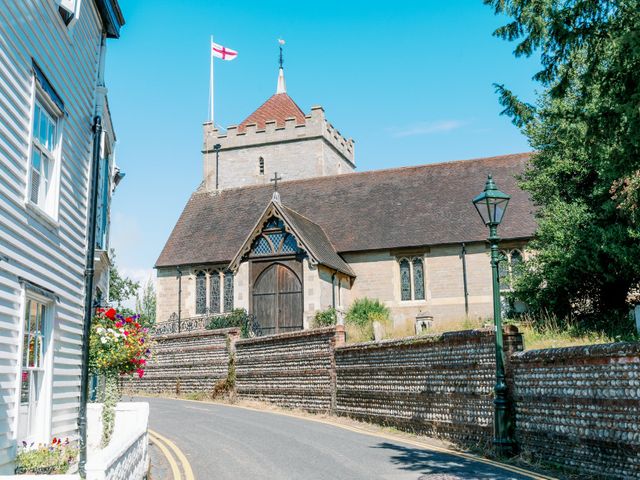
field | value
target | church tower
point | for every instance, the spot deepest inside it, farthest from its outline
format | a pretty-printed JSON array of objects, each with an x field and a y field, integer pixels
[{"x": 277, "y": 137}]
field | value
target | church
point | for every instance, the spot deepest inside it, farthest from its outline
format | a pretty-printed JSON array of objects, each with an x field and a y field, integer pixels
[{"x": 283, "y": 226}]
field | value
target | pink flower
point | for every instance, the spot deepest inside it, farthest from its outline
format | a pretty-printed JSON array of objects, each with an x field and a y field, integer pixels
[
  {"x": 119, "y": 324},
  {"x": 140, "y": 372}
]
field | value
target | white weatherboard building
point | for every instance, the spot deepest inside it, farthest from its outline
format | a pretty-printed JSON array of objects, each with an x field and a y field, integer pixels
[{"x": 51, "y": 89}]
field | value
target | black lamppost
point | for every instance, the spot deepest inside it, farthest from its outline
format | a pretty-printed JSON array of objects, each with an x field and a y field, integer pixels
[
  {"x": 216, "y": 148},
  {"x": 491, "y": 205}
]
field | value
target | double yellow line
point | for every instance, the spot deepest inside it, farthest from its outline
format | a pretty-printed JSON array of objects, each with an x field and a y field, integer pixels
[{"x": 174, "y": 456}]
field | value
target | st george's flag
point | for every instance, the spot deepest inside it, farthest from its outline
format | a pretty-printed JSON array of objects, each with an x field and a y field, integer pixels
[{"x": 218, "y": 51}]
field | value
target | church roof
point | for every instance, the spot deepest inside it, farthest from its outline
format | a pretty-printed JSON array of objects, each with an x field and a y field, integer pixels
[
  {"x": 278, "y": 107},
  {"x": 397, "y": 208}
]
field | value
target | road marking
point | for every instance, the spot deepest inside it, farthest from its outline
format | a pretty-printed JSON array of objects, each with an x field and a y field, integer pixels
[
  {"x": 423, "y": 445},
  {"x": 186, "y": 466},
  {"x": 175, "y": 470}
]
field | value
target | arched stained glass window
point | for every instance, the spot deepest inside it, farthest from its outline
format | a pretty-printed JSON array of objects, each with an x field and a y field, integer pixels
[
  {"x": 201, "y": 293},
  {"x": 418, "y": 279},
  {"x": 289, "y": 245},
  {"x": 228, "y": 291},
  {"x": 405, "y": 280},
  {"x": 276, "y": 240},
  {"x": 214, "y": 292}
]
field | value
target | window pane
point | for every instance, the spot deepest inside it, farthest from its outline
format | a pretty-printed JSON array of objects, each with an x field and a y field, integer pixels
[
  {"x": 405, "y": 280},
  {"x": 35, "y": 159},
  {"x": 289, "y": 245},
  {"x": 44, "y": 125},
  {"x": 228, "y": 291},
  {"x": 52, "y": 136},
  {"x": 36, "y": 120},
  {"x": 262, "y": 247},
  {"x": 201, "y": 292},
  {"x": 418, "y": 278},
  {"x": 24, "y": 388},
  {"x": 214, "y": 293}
]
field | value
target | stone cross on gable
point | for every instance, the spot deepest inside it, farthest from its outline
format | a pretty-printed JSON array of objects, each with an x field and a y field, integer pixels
[{"x": 276, "y": 196}]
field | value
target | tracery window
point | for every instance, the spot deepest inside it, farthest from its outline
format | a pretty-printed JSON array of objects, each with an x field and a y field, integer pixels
[
  {"x": 201, "y": 293},
  {"x": 214, "y": 293},
  {"x": 509, "y": 268},
  {"x": 405, "y": 280},
  {"x": 228, "y": 291},
  {"x": 274, "y": 240},
  {"x": 412, "y": 279}
]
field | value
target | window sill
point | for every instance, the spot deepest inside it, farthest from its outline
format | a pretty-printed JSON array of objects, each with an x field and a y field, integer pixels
[
  {"x": 410, "y": 303},
  {"x": 47, "y": 220}
]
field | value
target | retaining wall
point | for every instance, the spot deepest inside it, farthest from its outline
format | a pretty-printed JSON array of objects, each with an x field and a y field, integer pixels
[
  {"x": 579, "y": 407},
  {"x": 437, "y": 385},
  {"x": 293, "y": 369},
  {"x": 186, "y": 362}
]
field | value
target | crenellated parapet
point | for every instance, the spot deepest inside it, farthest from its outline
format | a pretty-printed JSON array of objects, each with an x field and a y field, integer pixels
[{"x": 315, "y": 126}]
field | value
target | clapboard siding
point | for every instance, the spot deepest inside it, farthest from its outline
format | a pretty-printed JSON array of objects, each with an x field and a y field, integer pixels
[{"x": 48, "y": 255}]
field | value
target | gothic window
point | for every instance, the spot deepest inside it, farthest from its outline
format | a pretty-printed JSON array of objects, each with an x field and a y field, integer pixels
[
  {"x": 261, "y": 166},
  {"x": 228, "y": 291},
  {"x": 201, "y": 293},
  {"x": 412, "y": 284},
  {"x": 274, "y": 240},
  {"x": 418, "y": 279},
  {"x": 503, "y": 271},
  {"x": 405, "y": 280},
  {"x": 214, "y": 293}
]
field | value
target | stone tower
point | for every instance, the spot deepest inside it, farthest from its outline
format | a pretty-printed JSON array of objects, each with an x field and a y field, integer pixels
[{"x": 277, "y": 137}]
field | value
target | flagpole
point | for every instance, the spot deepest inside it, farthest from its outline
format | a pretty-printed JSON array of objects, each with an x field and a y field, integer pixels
[{"x": 211, "y": 79}]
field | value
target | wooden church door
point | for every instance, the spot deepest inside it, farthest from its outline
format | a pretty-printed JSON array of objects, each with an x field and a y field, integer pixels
[{"x": 277, "y": 300}]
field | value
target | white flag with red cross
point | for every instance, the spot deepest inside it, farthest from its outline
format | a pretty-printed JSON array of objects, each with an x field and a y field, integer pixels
[{"x": 224, "y": 53}]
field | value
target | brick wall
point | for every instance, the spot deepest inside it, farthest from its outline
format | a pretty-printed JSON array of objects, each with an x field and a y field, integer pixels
[
  {"x": 186, "y": 362},
  {"x": 293, "y": 369},
  {"x": 438, "y": 385},
  {"x": 580, "y": 407}
]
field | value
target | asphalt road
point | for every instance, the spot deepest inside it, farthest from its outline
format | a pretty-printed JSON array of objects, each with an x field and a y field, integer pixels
[{"x": 223, "y": 442}]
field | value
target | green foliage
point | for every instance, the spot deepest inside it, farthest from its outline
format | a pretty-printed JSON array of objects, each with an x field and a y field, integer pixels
[
  {"x": 146, "y": 304},
  {"x": 364, "y": 311},
  {"x": 361, "y": 315},
  {"x": 121, "y": 288},
  {"x": 236, "y": 319},
  {"x": 111, "y": 398},
  {"x": 325, "y": 318},
  {"x": 46, "y": 459},
  {"x": 585, "y": 174}
]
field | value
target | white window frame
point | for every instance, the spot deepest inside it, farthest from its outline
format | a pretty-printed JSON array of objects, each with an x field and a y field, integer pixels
[
  {"x": 42, "y": 432},
  {"x": 47, "y": 211},
  {"x": 410, "y": 259},
  {"x": 72, "y": 7}
]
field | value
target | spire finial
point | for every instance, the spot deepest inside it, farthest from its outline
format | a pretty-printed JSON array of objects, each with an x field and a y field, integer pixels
[
  {"x": 276, "y": 195},
  {"x": 282, "y": 87}
]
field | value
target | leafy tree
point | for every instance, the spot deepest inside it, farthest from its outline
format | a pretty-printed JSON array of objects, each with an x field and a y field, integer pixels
[
  {"x": 585, "y": 174},
  {"x": 121, "y": 288},
  {"x": 146, "y": 304}
]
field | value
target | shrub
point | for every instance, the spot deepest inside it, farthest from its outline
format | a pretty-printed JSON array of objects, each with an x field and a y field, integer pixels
[
  {"x": 365, "y": 311},
  {"x": 325, "y": 318}
]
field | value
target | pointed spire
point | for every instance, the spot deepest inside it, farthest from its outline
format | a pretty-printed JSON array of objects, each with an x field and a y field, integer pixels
[{"x": 282, "y": 86}]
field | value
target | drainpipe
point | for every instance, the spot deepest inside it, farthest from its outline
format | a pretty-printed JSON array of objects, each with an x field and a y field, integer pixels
[
  {"x": 463, "y": 255},
  {"x": 89, "y": 260},
  {"x": 179, "y": 296},
  {"x": 333, "y": 289}
]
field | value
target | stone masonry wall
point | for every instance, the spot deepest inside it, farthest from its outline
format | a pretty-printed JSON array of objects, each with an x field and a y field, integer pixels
[
  {"x": 437, "y": 385},
  {"x": 579, "y": 407},
  {"x": 187, "y": 362},
  {"x": 293, "y": 369}
]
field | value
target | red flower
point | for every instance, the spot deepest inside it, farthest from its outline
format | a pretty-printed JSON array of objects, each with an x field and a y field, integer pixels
[
  {"x": 142, "y": 361},
  {"x": 137, "y": 325},
  {"x": 119, "y": 324},
  {"x": 140, "y": 372},
  {"x": 126, "y": 334},
  {"x": 128, "y": 320},
  {"x": 111, "y": 313}
]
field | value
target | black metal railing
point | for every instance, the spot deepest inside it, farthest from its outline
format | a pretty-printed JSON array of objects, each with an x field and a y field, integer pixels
[{"x": 248, "y": 324}]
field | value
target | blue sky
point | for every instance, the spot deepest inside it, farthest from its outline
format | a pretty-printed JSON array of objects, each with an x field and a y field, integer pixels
[{"x": 410, "y": 81}]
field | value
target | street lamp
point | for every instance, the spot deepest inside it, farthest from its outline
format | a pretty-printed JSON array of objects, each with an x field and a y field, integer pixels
[{"x": 491, "y": 205}]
